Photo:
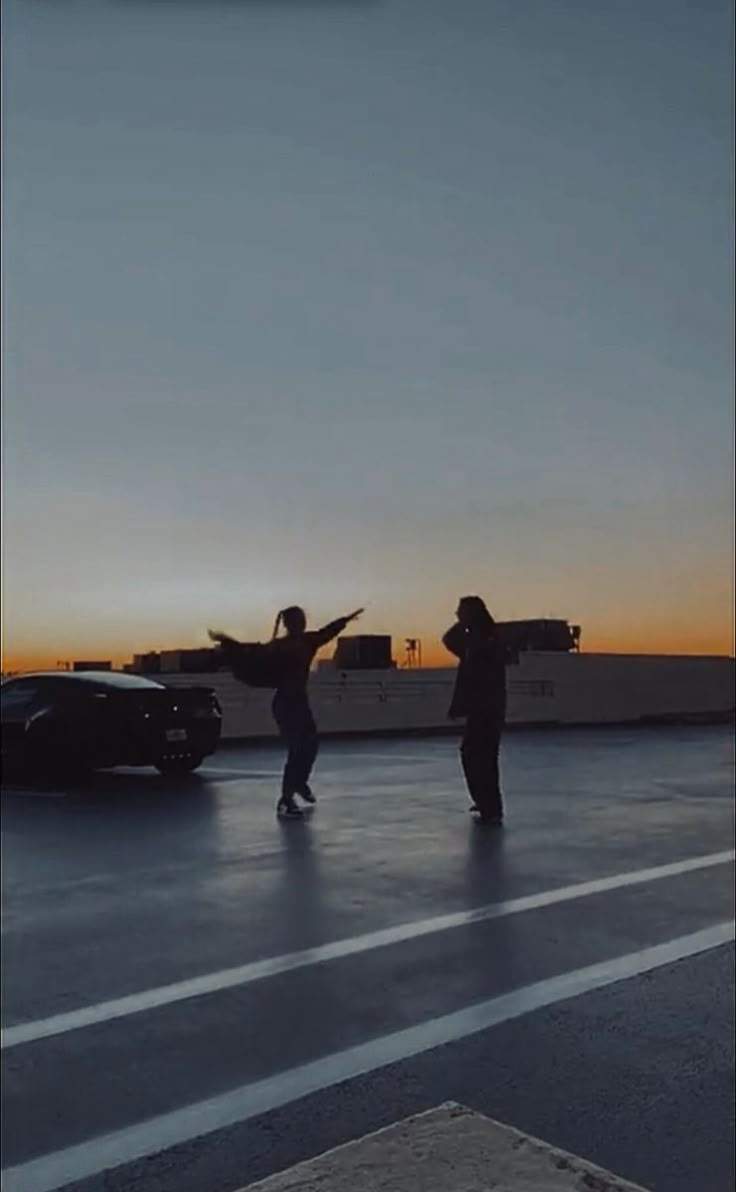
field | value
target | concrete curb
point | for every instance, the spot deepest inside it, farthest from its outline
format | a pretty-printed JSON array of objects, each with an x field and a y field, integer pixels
[{"x": 447, "y": 1149}]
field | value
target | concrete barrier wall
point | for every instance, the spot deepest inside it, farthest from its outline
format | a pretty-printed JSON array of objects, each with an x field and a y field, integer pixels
[{"x": 542, "y": 689}]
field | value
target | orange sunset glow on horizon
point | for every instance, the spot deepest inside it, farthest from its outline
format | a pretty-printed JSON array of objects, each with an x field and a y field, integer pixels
[
  {"x": 707, "y": 638},
  {"x": 380, "y": 350}
]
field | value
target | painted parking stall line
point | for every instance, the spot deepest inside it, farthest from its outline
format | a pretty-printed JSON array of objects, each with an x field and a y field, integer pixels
[
  {"x": 258, "y": 970},
  {"x": 118, "y": 1148}
]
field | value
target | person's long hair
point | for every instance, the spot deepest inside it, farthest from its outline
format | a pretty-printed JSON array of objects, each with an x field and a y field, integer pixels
[
  {"x": 478, "y": 615},
  {"x": 293, "y": 619}
]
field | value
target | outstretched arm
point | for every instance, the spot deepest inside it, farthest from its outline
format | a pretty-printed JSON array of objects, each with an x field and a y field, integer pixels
[
  {"x": 455, "y": 640},
  {"x": 222, "y": 639},
  {"x": 327, "y": 632}
]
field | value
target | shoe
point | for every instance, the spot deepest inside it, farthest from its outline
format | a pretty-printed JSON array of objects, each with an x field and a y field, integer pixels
[
  {"x": 306, "y": 794},
  {"x": 490, "y": 821},
  {"x": 287, "y": 809}
]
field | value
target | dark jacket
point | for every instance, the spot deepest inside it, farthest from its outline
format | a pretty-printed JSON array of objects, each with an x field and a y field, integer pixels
[
  {"x": 288, "y": 658},
  {"x": 297, "y": 652},
  {"x": 480, "y": 684}
]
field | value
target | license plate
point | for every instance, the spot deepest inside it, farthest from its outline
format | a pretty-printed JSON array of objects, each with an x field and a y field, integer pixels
[{"x": 176, "y": 734}]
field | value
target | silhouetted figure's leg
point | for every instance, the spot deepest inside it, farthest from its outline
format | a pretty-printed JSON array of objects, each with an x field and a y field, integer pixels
[
  {"x": 296, "y": 724},
  {"x": 286, "y": 712},
  {"x": 494, "y": 797},
  {"x": 291, "y": 766},
  {"x": 471, "y": 756},
  {"x": 479, "y": 754},
  {"x": 305, "y": 755}
]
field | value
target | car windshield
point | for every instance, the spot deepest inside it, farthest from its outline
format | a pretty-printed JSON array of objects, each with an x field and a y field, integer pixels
[
  {"x": 111, "y": 679},
  {"x": 115, "y": 679}
]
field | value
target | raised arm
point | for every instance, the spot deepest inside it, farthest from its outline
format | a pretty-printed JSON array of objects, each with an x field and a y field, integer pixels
[
  {"x": 324, "y": 635},
  {"x": 455, "y": 640},
  {"x": 222, "y": 639}
]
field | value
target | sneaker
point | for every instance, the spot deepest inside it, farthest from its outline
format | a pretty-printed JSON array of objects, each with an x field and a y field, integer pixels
[
  {"x": 489, "y": 821},
  {"x": 307, "y": 795},
  {"x": 287, "y": 809}
]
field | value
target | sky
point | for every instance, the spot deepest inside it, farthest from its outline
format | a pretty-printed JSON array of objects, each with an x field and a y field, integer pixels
[{"x": 366, "y": 302}]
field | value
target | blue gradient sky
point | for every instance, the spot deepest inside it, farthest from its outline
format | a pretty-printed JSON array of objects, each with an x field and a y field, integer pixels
[{"x": 346, "y": 303}]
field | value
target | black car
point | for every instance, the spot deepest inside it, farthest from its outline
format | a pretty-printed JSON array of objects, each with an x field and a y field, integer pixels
[{"x": 59, "y": 722}]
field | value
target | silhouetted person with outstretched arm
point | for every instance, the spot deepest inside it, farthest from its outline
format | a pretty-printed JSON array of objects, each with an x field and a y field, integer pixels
[
  {"x": 479, "y": 697},
  {"x": 293, "y": 655}
]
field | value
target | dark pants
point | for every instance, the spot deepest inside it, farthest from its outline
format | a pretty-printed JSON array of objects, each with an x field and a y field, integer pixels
[
  {"x": 295, "y": 721},
  {"x": 479, "y": 755}
]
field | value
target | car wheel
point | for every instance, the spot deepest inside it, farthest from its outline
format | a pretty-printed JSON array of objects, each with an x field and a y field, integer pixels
[{"x": 179, "y": 763}]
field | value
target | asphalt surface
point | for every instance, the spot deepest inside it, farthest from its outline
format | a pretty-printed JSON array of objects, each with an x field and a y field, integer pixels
[{"x": 138, "y": 883}]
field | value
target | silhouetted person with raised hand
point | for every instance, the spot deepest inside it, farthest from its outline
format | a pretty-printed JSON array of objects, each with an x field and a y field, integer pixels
[
  {"x": 291, "y": 708},
  {"x": 479, "y": 697},
  {"x": 291, "y": 657}
]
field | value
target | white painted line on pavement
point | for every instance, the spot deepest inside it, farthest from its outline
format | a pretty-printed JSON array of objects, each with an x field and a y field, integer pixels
[
  {"x": 52, "y": 1171},
  {"x": 258, "y": 970}
]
